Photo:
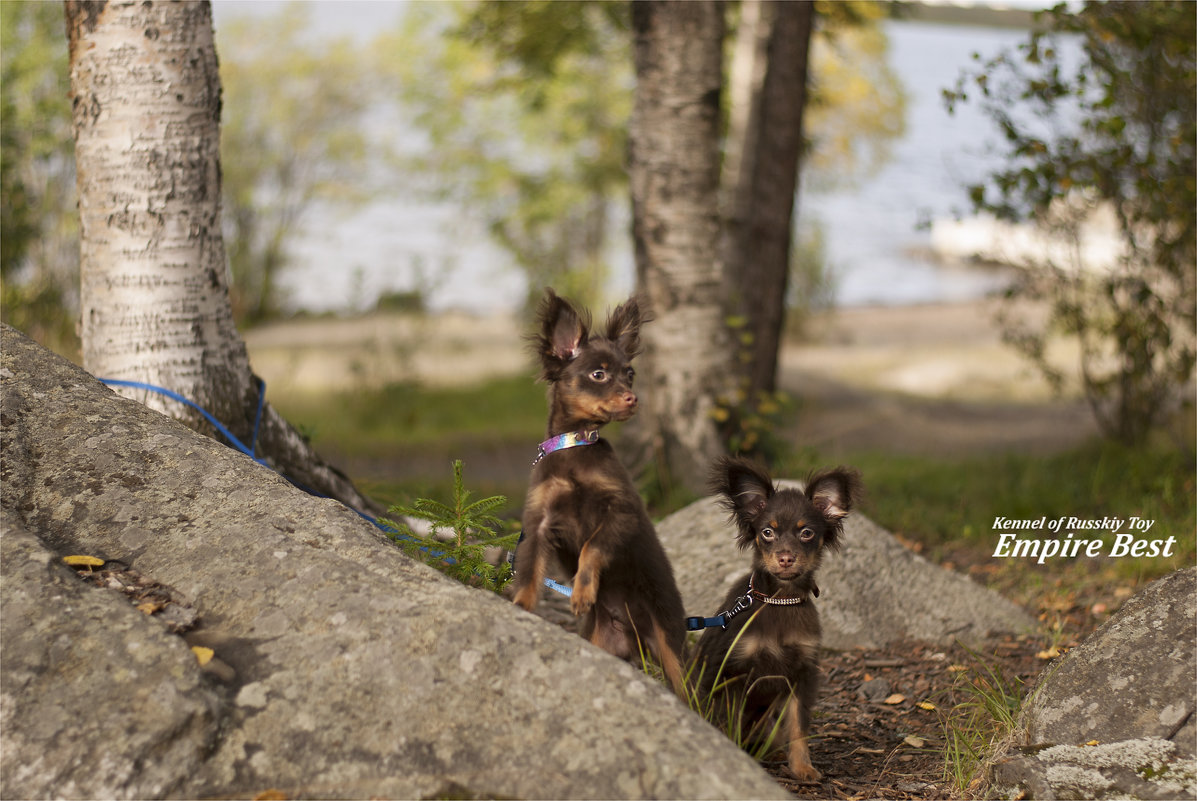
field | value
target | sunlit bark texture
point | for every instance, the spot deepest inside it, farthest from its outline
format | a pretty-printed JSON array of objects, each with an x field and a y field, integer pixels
[
  {"x": 145, "y": 93},
  {"x": 674, "y": 174}
]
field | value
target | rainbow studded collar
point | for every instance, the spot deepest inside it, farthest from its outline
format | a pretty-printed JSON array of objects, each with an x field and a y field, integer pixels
[{"x": 570, "y": 439}]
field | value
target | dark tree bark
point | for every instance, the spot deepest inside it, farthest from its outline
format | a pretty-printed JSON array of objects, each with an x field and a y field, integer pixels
[{"x": 761, "y": 176}]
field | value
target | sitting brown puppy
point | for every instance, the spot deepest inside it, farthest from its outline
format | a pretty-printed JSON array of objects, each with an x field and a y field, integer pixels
[{"x": 764, "y": 661}]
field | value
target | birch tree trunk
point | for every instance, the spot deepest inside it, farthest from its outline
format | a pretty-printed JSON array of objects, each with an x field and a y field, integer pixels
[
  {"x": 674, "y": 176},
  {"x": 760, "y": 176},
  {"x": 145, "y": 93}
]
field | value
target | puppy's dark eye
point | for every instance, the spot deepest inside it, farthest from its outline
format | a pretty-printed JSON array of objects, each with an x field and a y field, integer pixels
[
  {"x": 806, "y": 534},
  {"x": 631, "y": 376},
  {"x": 767, "y": 535},
  {"x": 599, "y": 375}
]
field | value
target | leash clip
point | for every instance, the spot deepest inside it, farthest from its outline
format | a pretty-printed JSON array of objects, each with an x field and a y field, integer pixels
[{"x": 742, "y": 603}]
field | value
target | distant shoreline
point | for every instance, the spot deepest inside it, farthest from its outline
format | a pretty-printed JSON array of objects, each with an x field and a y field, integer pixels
[{"x": 995, "y": 16}]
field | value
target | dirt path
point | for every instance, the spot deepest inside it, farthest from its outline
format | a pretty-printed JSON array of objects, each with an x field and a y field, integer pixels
[{"x": 934, "y": 380}]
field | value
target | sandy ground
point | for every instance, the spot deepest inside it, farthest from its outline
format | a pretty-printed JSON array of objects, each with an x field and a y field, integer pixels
[
  {"x": 931, "y": 379},
  {"x": 927, "y": 379}
]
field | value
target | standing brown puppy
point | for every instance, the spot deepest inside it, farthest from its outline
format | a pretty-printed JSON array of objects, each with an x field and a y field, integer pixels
[
  {"x": 772, "y": 668},
  {"x": 582, "y": 506}
]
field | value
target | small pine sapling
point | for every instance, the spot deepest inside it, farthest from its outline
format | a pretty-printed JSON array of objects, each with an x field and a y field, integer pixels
[{"x": 474, "y": 529}]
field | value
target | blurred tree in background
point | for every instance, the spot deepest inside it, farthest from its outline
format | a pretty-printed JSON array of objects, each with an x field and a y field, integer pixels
[
  {"x": 857, "y": 105},
  {"x": 524, "y": 106},
  {"x": 1115, "y": 133},
  {"x": 297, "y": 139},
  {"x": 39, "y": 246}
]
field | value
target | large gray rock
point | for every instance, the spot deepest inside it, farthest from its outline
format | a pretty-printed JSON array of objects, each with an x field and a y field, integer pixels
[
  {"x": 350, "y": 670},
  {"x": 77, "y": 666},
  {"x": 1132, "y": 688},
  {"x": 874, "y": 591}
]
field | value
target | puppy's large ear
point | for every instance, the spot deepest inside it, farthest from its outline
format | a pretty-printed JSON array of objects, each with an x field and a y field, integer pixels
[
  {"x": 833, "y": 493},
  {"x": 745, "y": 488},
  {"x": 563, "y": 331},
  {"x": 623, "y": 326}
]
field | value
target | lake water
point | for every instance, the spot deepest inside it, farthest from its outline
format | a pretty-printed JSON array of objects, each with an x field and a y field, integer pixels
[{"x": 872, "y": 232}]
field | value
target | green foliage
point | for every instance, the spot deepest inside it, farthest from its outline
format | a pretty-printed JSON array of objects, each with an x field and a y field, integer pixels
[
  {"x": 375, "y": 421},
  {"x": 857, "y": 105},
  {"x": 39, "y": 247},
  {"x": 1114, "y": 134},
  {"x": 294, "y": 134},
  {"x": 984, "y": 711},
  {"x": 748, "y": 421},
  {"x": 472, "y": 527},
  {"x": 948, "y": 503},
  {"x": 524, "y": 105}
]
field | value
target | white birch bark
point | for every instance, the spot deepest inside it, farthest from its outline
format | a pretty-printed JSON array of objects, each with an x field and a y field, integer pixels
[{"x": 145, "y": 92}]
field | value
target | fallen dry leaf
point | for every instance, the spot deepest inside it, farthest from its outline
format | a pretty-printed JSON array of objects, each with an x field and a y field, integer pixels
[
  {"x": 1050, "y": 653},
  {"x": 927, "y": 705},
  {"x": 271, "y": 795},
  {"x": 202, "y": 655},
  {"x": 83, "y": 561},
  {"x": 914, "y": 741},
  {"x": 896, "y": 698}
]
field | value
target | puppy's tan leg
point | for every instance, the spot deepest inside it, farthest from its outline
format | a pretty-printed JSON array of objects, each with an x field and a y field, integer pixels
[
  {"x": 586, "y": 581},
  {"x": 796, "y": 726},
  {"x": 537, "y": 525},
  {"x": 529, "y": 592},
  {"x": 671, "y": 661}
]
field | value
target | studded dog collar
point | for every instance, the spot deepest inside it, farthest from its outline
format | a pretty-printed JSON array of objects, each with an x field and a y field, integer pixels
[{"x": 768, "y": 599}]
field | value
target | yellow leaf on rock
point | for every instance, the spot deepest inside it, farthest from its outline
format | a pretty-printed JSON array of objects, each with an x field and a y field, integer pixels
[
  {"x": 271, "y": 795},
  {"x": 83, "y": 561},
  {"x": 203, "y": 655},
  {"x": 1093, "y": 742},
  {"x": 1050, "y": 653},
  {"x": 896, "y": 698}
]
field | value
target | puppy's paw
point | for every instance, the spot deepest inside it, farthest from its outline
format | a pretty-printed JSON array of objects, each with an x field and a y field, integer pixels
[
  {"x": 805, "y": 772},
  {"x": 585, "y": 592},
  {"x": 526, "y": 597}
]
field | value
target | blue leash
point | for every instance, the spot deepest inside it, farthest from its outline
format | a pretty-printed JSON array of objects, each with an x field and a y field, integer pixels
[
  {"x": 236, "y": 443},
  {"x": 692, "y": 623},
  {"x": 251, "y": 451}
]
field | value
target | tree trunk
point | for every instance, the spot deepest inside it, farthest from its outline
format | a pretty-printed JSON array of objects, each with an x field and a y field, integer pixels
[
  {"x": 674, "y": 176},
  {"x": 760, "y": 177},
  {"x": 145, "y": 93}
]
